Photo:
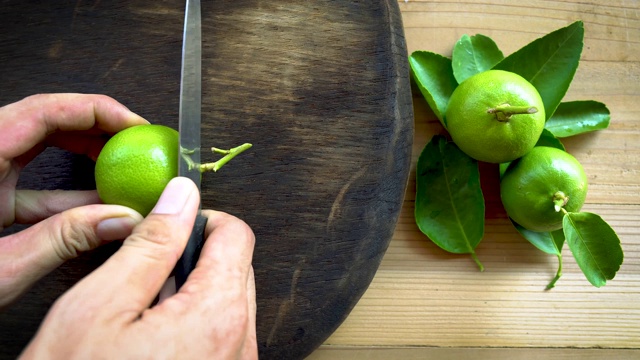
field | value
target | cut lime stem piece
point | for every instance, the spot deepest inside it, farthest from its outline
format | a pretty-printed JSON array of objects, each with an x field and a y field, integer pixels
[
  {"x": 186, "y": 156},
  {"x": 228, "y": 155},
  {"x": 505, "y": 111}
]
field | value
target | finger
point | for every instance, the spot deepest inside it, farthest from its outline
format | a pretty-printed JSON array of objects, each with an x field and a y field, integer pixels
[
  {"x": 250, "y": 346},
  {"x": 218, "y": 288},
  {"x": 78, "y": 142},
  {"x": 32, "y": 206},
  {"x": 225, "y": 259},
  {"x": 42, "y": 115},
  {"x": 30, "y": 254},
  {"x": 130, "y": 279}
]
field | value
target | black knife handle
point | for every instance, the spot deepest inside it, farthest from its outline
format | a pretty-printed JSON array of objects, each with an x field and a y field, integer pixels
[{"x": 191, "y": 253}]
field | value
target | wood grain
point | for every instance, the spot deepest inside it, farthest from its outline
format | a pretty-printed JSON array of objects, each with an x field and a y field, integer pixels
[
  {"x": 423, "y": 296},
  {"x": 321, "y": 89},
  {"x": 421, "y": 353}
]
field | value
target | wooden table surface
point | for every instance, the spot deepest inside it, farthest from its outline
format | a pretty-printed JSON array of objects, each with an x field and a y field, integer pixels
[{"x": 426, "y": 303}]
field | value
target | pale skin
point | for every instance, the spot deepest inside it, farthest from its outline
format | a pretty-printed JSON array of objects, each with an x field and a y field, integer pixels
[{"x": 109, "y": 313}]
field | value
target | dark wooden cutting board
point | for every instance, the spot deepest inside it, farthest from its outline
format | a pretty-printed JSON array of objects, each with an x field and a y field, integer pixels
[{"x": 321, "y": 89}]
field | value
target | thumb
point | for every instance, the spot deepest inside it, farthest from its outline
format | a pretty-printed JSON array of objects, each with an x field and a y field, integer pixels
[
  {"x": 27, "y": 256},
  {"x": 127, "y": 283}
]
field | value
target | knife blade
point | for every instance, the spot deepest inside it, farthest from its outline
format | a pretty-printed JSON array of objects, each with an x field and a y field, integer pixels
[{"x": 189, "y": 129}]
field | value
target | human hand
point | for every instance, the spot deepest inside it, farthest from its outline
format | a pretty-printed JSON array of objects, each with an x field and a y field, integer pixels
[
  {"x": 65, "y": 226},
  {"x": 107, "y": 314}
]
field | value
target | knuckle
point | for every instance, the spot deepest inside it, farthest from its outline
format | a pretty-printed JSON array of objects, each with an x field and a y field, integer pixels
[
  {"x": 154, "y": 231},
  {"x": 73, "y": 236},
  {"x": 156, "y": 237},
  {"x": 36, "y": 98},
  {"x": 243, "y": 230},
  {"x": 234, "y": 224},
  {"x": 101, "y": 100}
]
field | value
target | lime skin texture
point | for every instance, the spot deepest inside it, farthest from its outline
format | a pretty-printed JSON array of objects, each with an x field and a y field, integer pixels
[{"x": 135, "y": 165}]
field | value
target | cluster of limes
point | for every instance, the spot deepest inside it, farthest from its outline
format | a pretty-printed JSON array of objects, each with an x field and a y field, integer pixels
[{"x": 498, "y": 116}]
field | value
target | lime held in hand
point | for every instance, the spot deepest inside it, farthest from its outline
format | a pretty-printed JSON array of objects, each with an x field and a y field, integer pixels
[
  {"x": 495, "y": 116},
  {"x": 135, "y": 165},
  {"x": 538, "y": 188}
]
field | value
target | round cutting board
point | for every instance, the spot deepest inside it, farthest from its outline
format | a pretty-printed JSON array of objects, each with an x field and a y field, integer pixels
[{"x": 321, "y": 89}]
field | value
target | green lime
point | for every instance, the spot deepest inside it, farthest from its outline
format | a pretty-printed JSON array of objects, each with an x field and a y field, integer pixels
[
  {"x": 538, "y": 188},
  {"x": 135, "y": 165},
  {"x": 495, "y": 116}
]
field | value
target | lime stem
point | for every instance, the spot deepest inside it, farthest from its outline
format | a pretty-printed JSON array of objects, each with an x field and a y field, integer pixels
[
  {"x": 558, "y": 273},
  {"x": 505, "y": 111},
  {"x": 559, "y": 201},
  {"x": 228, "y": 155},
  {"x": 475, "y": 258}
]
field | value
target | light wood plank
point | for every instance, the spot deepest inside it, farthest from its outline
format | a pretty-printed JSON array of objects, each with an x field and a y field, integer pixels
[
  {"x": 355, "y": 353},
  {"x": 423, "y": 296}
]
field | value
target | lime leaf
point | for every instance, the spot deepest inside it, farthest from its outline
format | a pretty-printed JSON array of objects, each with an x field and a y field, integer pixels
[
  {"x": 474, "y": 54},
  {"x": 577, "y": 117},
  {"x": 549, "y": 63},
  {"x": 449, "y": 205},
  {"x": 434, "y": 76},
  {"x": 550, "y": 242},
  {"x": 548, "y": 139},
  {"x": 594, "y": 245}
]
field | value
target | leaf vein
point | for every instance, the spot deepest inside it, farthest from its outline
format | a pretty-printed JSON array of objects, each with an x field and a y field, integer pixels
[
  {"x": 581, "y": 239},
  {"x": 544, "y": 65},
  {"x": 453, "y": 207}
]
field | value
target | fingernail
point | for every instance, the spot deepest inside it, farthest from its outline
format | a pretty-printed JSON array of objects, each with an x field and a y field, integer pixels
[
  {"x": 140, "y": 118},
  {"x": 135, "y": 118},
  {"x": 116, "y": 228},
  {"x": 174, "y": 197}
]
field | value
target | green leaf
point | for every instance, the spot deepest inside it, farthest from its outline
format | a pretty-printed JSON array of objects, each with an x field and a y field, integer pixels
[
  {"x": 434, "y": 76},
  {"x": 549, "y": 63},
  {"x": 474, "y": 54},
  {"x": 577, "y": 117},
  {"x": 594, "y": 245},
  {"x": 449, "y": 206},
  {"x": 550, "y": 242},
  {"x": 548, "y": 139}
]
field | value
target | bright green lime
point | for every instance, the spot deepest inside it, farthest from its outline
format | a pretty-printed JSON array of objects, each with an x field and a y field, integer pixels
[
  {"x": 495, "y": 116},
  {"x": 135, "y": 165},
  {"x": 533, "y": 185}
]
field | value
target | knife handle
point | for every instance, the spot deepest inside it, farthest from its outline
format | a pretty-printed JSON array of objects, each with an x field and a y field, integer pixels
[{"x": 191, "y": 252}]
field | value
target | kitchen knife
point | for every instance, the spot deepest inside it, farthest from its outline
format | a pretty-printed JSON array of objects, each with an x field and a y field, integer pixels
[{"x": 189, "y": 129}]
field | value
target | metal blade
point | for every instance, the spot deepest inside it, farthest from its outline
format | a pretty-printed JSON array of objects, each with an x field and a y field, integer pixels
[
  {"x": 189, "y": 128},
  {"x": 191, "y": 93}
]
